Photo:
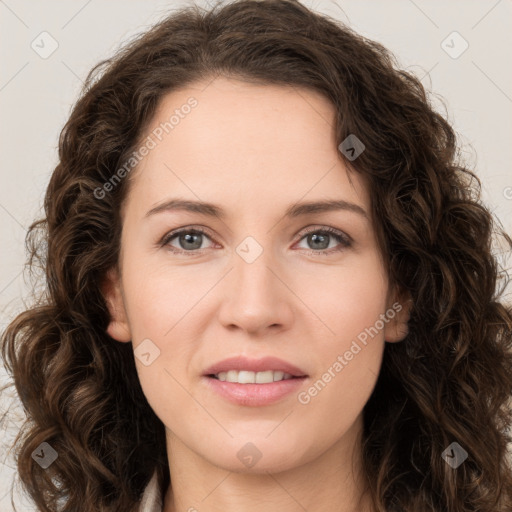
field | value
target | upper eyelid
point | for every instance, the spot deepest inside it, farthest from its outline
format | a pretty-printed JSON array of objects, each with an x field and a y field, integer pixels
[{"x": 328, "y": 229}]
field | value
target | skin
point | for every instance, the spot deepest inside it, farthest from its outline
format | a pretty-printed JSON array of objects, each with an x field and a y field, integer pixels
[{"x": 254, "y": 150}]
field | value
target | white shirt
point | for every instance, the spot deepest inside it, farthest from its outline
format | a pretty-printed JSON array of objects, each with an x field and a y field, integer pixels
[{"x": 152, "y": 497}]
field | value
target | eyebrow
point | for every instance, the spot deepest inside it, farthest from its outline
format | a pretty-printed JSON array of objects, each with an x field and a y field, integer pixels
[{"x": 295, "y": 210}]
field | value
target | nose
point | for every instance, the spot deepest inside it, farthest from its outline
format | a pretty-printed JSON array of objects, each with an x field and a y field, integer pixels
[{"x": 258, "y": 298}]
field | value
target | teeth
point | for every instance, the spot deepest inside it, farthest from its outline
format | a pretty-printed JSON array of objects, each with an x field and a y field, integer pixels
[{"x": 247, "y": 377}]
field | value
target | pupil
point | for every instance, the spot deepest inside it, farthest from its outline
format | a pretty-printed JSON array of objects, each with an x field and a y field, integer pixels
[
  {"x": 189, "y": 239},
  {"x": 315, "y": 238}
]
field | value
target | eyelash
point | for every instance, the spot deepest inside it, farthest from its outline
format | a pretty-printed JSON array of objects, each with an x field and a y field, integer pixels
[{"x": 343, "y": 239}]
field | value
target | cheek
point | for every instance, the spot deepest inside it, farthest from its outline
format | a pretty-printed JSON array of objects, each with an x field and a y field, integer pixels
[
  {"x": 161, "y": 309},
  {"x": 164, "y": 305},
  {"x": 158, "y": 298},
  {"x": 350, "y": 343},
  {"x": 348, "y": 299}
]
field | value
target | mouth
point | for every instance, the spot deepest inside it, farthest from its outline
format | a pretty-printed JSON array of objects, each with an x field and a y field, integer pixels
[{"x": 254, "y": 382}]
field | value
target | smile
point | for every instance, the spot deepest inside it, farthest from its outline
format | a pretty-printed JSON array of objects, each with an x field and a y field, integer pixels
[{"x": 249, "y": 377}]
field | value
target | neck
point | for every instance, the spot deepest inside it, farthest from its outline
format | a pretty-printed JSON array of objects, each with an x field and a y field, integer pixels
[{"x": 331, "y": 482}]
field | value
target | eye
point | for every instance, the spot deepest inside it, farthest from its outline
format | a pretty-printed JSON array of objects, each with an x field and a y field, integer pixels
[
  {"x": 321, "y": 238},
  {"x": 189, "y": 240}
]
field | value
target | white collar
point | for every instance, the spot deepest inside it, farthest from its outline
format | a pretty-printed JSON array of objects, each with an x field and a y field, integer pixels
[{"x": 152, "y": 498}]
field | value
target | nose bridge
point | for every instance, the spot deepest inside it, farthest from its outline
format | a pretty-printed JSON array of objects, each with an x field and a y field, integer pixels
[
  {"x": 257, "y": 298},
  {"x": 253, "y": 277}
]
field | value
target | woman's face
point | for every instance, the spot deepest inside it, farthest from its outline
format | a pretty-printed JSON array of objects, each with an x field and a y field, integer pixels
[{"x": 260, "y": 282}]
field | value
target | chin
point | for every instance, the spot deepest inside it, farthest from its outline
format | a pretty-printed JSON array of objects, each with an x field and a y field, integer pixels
[{"x": 255, "y": 457}]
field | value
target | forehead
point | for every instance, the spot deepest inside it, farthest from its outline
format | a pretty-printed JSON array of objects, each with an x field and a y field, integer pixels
[{"x": 244, "y": 144}]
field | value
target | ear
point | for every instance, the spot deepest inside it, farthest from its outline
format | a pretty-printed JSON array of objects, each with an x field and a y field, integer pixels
[
  {"x": 398, "y": 313},
  {"x": 118, "y": 328}
]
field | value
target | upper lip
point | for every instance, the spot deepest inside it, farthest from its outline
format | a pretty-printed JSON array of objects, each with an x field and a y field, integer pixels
[{"x": 255, "y": 365}]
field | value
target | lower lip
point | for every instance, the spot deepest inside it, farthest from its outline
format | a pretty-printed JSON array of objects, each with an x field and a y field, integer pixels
[{"x": 254, "y": 394}]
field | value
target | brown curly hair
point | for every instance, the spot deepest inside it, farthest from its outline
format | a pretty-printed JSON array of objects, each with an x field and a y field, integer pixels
[{"x": 449, "y": 380}]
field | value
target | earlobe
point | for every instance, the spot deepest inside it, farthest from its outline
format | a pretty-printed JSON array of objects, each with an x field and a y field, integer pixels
[
  {"x": 397, "y": 328},
  {"x": 118, "y": 327}
]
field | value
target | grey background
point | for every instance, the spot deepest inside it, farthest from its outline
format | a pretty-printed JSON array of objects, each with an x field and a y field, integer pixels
[{"x": 36, "y": 95}]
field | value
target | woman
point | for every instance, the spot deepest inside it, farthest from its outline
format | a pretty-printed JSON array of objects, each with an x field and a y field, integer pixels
[{"x": 270, "y": 285}]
